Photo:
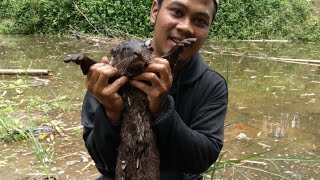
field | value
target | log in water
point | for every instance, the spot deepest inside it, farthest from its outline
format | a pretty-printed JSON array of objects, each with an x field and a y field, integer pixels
[{"x": 30, "y": 72}]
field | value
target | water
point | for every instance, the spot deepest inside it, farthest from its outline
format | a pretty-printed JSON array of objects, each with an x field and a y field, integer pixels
[{"x": 271, "y": 104}]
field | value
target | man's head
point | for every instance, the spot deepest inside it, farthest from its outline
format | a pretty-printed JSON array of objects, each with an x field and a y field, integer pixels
[
  {"x": 216, "y": 5},
  {"x": 175, "y": 20}
]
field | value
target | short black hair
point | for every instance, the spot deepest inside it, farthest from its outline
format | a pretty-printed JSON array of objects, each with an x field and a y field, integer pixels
[{"x": 216, "y": 5}]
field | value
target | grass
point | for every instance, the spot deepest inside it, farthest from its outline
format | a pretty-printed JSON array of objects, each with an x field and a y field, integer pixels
[
  {"x": 19, "y": 112},
  {"x": 22, "y": 113},
  {"x": 44, "y": 156},
  {"x": 247, "y": 167}
]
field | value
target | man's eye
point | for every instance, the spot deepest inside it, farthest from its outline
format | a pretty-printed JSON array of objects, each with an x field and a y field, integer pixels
[
  {"x": 177, "y": 12},
  {"x": 201, "y": 22}
]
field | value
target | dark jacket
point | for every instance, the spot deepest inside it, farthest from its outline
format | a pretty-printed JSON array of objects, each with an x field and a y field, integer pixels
[{"x": 189, "y": 130}]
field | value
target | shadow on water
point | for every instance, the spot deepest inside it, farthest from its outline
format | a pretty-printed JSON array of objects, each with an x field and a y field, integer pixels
[{"x": 271, "y": 104}]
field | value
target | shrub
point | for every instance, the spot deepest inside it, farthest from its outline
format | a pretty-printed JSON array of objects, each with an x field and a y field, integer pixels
[{"x": 237, "y": 19}]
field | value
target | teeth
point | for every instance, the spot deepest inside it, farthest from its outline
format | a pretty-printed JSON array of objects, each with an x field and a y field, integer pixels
[{"x": 175, "y": 40}]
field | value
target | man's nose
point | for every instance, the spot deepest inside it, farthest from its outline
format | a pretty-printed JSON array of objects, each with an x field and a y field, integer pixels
[{"x": 185, "y": 26}]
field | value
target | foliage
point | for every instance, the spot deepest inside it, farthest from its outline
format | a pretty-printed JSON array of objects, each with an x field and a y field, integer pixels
[
  {"x": 252, "y": 19},
  {"x": 268, "y": 19},
  {"x": 94, "y": 16},
  {"x": 237, "y": 20}
]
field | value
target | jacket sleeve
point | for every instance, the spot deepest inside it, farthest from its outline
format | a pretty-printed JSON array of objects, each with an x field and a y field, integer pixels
[
  {"x": 101, "y": 138},
  {"x": 193, "y": 148}
]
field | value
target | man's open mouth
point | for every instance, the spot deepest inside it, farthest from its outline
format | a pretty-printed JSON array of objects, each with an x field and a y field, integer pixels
[{"x": 175, "y": 40}]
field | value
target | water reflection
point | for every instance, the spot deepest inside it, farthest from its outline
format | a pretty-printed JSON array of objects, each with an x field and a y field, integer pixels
[{"x": 271, "y": 104}]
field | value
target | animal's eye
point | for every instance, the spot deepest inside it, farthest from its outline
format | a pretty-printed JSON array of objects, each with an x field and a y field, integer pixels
[{"x": 125, "y": 49}]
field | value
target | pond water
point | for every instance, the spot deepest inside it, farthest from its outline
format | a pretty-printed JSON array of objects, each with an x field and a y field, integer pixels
[{"x": 273, "y": 114}]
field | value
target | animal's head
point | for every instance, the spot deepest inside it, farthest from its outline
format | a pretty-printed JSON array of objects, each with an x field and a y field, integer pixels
[{"x": 131, "y": 57}]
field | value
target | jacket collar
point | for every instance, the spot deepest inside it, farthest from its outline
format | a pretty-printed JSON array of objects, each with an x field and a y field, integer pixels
[{"x": 193, "y": 70}]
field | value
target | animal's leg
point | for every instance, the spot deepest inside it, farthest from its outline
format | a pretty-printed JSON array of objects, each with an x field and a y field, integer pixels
[
  {"x": 82, "y": 60},
  {"x": 173, "y": 55}
]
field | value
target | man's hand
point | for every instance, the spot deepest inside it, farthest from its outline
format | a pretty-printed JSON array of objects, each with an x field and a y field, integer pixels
[
  {"x": 97, "y": 84},
  {"x": 158, "y": 73}
]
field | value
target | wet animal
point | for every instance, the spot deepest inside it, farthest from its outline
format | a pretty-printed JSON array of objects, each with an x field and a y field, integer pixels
[{"x": 138, "y": 156}]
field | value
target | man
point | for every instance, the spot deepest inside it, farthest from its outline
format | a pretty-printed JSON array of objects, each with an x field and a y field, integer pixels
[{"x": 188, "y": 102}]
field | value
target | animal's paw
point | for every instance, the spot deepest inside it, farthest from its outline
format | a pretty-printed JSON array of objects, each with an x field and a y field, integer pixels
[
  {"x": 76, "y": 58},
  {"x": 187, "y": 42},
  {"x": 81, "y": 60}
]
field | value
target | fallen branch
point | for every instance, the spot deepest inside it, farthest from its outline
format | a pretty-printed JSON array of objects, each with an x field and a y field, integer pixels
[
  {"x": 86, "y": 167},
  {"x": 30, "y": 72},
  {"x": 288, "y": 60},
  {"x": 265, "y": 40},
  {"x": 78, "y": 9}
]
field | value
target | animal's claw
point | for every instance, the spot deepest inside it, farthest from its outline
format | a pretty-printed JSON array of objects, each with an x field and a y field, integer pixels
[
  {"x": 75, "y": 58},
  {"x": 172, "y": 56},
  {"x": 81, "y": 60}
]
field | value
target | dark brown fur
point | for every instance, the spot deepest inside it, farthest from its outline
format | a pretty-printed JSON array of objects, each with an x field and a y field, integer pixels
[{"x": 138, "y": 156}]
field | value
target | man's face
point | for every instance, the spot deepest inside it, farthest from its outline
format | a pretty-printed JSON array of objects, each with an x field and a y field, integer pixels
[{"x": 180, "y": 19}]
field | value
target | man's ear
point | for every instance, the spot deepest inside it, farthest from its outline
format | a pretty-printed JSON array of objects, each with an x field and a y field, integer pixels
[{"x": 154, "y": 12}]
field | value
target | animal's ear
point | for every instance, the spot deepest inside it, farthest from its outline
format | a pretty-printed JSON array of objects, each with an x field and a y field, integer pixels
[
  {"x": 112, "y": 51},
  {"x": 150, "y": 48}
]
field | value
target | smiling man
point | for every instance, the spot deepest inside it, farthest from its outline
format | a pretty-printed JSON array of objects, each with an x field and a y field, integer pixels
[{"x": 188, "y": 102}]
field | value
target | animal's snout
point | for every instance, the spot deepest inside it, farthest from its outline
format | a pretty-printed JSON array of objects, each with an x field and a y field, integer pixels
[{"x": 138, "y": 53}]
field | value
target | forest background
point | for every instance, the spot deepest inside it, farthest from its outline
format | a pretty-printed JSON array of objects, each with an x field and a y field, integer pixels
[{"x": 237, "y": 19}]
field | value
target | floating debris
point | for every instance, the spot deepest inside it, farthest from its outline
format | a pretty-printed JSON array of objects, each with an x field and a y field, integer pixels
[
  {"x": 318, "y": 82},
  {"x": 3, "y": 163},
  {"x": 39, "y": 82},
  {"x": 280, "y": 87},
  {"x": 249, "y": 70},
  {"x": 263, "y": 145},
  {"x": 295, "y": 89},
  {"x": 243, "y": 136},
  {"x": 259, "y": 134},
  {"x": 242, "y": 107},
  {"x": 307, "y": 94},
  {"x": 255, "y": 162}
]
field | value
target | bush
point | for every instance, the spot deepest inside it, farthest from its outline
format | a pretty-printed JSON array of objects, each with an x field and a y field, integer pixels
[
  {"x": 237, "y": 19},
  {"x": 266, "y": 19},
  {"x": 94, "y": 16}
]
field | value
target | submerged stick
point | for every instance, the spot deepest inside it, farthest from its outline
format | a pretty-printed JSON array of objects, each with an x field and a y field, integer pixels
[
  {"x": 30, "y": 72},
  {"x": 288, "y": 60}
]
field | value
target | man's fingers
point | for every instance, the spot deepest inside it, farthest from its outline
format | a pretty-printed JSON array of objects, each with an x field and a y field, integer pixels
[
  {"x": 105, "y": 60},
  {"x": 116, "y": 85},
  {"x": 140, "y": 85},
  {"x": 106, "y": 73},
  {"x": 99, "y": 76},
  {"x": 92, "y": 69},
  {"x": 161, "y": 70},
  {"x": 160, "y": 60}
]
